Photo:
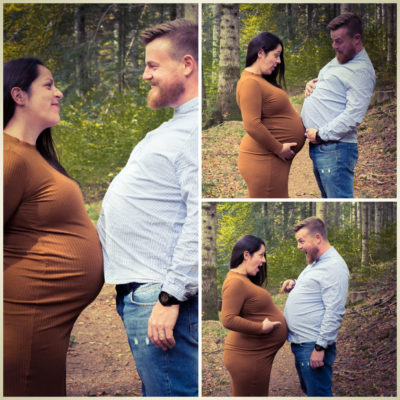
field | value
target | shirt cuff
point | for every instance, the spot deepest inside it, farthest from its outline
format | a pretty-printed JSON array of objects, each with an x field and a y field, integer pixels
[
  {"x": 323, "y": 343},
  {"x": 323, "y": 135}
]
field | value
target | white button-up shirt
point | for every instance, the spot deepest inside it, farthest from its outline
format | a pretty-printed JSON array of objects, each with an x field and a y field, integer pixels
[{"x": 148, "y": 224}]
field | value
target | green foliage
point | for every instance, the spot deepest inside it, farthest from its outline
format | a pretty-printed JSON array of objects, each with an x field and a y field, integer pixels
[
  {"x": 273, "y": 222},
  {"x": 306, "y": 39},
  {"x": 97, "y": 59},
  {"x": 284, "y": 261},
  {"x": 383, "y": 246},
  {"x": 93, "y": 210},
  {"x": 347, "y": 242},
  {"x": 95, "y": 137}
]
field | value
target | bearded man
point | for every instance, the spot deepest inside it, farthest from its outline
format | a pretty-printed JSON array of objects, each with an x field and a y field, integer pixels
[
  {"x": 148, "y": 224},
  {"x": 315, "y": 307},
  {"x": 335, "y": 104}
]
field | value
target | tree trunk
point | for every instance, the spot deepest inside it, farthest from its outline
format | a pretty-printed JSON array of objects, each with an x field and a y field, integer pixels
[
  {"x": 191, "y": 12},
  {"x": 209, "y": 262},
  {"x": 364, "y": 234},
  {"x": 336, "y": 216},
  {"x": 229, "y": 63},
  {"x": 122, "y": 21},
  {"x": 390, "y": 31},
  {"x": 80, "y": 40},
  {"x": 355, "y": 214},
  {"x": 346, "y": 8},
  {"x": 289, "y": 21},
  {"x": 216, "y": 30},
  {"x": 320, "y": 210},
  {"x": 378, "y": 217}
]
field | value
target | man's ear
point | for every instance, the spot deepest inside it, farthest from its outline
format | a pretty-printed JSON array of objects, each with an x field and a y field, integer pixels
[
  {"x": 357, "y": 37},
  {"x": 18, "y": 95},
  {"x": 318, "y": 236},
  {"x": 189, "y": 64}
]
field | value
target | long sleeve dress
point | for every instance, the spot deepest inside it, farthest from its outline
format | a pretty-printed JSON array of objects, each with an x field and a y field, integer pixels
[
  {"x": 53, "y": 268},
  {"x": 269, "y": 120},
  {"x": 249, "y": 352}
]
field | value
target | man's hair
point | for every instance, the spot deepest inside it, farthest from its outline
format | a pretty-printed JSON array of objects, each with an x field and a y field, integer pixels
[
  {"x": 182, "y": 33},
  {"x": 314, "y": 225},
  {"x": 350, "y": 21}
]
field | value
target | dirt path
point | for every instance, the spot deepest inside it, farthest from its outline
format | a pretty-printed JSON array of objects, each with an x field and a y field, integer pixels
[
  {"x": 99, "y": 361},
  {"x": 284, "y": 380},
  {"x": 302, "y": 183}
]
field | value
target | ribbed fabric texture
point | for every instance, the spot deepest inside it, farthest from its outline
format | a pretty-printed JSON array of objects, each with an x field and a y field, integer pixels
[
  {"x": 248, "y": 352},
  {"x": 52, "y": 270},
  {"x": 269, "y": 120}
]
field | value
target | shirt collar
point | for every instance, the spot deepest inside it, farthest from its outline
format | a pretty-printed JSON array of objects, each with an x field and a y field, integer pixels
[
  {"x": 185, "y": 108},
  {"x": 323, "y": 256}
]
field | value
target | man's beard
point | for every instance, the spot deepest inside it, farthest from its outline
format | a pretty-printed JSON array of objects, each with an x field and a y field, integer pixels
[
  {"x": 344, "y": 57},
  {"x": 311, "y": 255},
  {"x": 165, "y": 96}
]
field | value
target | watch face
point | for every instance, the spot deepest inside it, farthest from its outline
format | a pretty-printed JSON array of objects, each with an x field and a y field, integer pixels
[{"x": 164, "y": 297}]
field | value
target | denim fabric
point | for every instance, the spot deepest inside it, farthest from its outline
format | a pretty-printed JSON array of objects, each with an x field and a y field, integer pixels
[
  {"x": 314, "y": 381},
  {"x": 334, "y": 164},
  {"x": 163, "y": 373}
]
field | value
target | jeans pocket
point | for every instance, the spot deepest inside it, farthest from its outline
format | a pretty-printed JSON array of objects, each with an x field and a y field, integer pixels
[
  {"x": 328, "y": 148},
  {"x": 146, "y": 294}
]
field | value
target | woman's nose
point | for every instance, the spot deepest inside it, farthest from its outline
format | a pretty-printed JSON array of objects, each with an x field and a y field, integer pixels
[{"x": 59, "y": 94}]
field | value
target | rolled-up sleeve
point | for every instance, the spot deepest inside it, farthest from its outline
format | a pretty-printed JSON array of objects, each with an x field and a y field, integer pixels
[{"x": 181, "y": 280}]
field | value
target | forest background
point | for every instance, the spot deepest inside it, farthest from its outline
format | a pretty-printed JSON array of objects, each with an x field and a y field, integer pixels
[
  {"x": 227, "y": 30},
  {"x": 364, "y": 233},
  {"x": 97, "y": 60}
]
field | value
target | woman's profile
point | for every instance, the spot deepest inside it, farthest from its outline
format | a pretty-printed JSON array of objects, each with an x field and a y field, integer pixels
[
  {"x": 257, "y": 327},
  {"x": 53, "y": 265},
  {"x": 274, "y": 130}
]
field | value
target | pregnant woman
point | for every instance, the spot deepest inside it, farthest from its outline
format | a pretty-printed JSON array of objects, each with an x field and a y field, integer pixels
[
  {"x": 275, "y": 132},
  {"x": 53, "y": 265},
  {"x": 257, "y": 327}
]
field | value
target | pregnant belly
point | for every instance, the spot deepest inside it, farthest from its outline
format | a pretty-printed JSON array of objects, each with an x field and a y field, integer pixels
[
  {"x": 68, "y": 271},
  {"x": 289, "y": 130}
]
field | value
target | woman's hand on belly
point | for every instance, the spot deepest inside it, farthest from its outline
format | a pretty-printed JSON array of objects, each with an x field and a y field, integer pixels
[
  {"x": 287, "y": 153},
  {"x": 268, "y": 326}
]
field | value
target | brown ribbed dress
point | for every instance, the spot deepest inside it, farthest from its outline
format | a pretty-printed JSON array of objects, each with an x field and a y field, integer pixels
[
  {"x": 248, "y": 352},
  {"x": 269, "y": 120},
  {"x": 53, "y": 268}
]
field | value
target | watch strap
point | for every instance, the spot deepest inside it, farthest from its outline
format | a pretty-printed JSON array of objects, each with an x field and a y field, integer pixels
[{"x": 167, "y": 300}]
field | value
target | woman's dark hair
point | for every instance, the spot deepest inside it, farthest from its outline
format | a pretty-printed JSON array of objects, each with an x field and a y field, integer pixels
[
  {"x": 21, "y": 73},
  {"x": 251, "y": 244},
  {"x": 268, "y": 42}
]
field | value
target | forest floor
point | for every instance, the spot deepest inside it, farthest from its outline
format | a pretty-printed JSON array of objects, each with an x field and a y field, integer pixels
[
  {"x": 366, "y": 349},
  {"x": 375, "y": 173},
  {"x": 99, "y": 360}
]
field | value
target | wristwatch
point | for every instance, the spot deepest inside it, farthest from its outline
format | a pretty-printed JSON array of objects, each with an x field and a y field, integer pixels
[
  {"x": 167, "y": 300},
  {"x": 318, "y": 138},
  {"x": 317, "y": 347}
]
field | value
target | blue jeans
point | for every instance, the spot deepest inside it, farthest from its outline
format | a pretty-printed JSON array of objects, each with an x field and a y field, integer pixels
[
  {"x": 334, "y": 164},
  {"x": 163, "y": 373},
  {"x": 314, "y": 381}
]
